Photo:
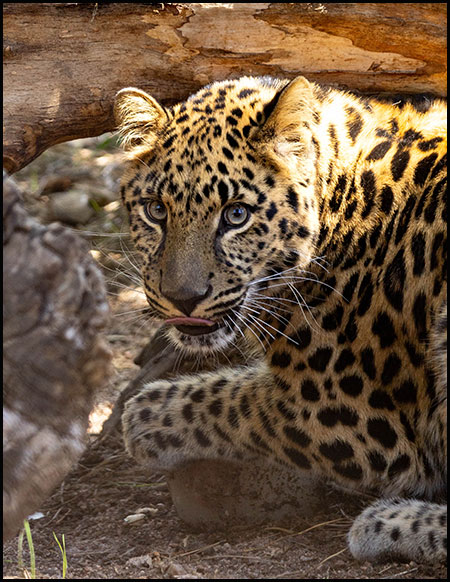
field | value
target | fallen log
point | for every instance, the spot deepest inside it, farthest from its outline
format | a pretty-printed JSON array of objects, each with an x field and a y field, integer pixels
[{"x": 64, "y": 62}]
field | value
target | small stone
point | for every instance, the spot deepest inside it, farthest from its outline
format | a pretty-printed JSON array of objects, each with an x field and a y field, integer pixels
[
  {"x": 140, "y": 561},
  {"x": 148, "y": 510},
  {"x": 35, "y": 515},
  {"x": 72, "y": 207},
  {"x": 175, "y": 570},
  {"x": 135, "y": 517}
]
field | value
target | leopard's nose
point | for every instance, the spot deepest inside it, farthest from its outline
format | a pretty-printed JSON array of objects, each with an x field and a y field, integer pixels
[{"x": 186, "y": 300}]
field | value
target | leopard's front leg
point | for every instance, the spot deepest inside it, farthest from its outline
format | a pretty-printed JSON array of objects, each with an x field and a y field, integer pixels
[{"x": 212, "y": 415}]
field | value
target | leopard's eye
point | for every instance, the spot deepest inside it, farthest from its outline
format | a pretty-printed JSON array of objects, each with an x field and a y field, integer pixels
[
  {"x": 236, "y": 214},
  {"x": 156, "y": 211}
]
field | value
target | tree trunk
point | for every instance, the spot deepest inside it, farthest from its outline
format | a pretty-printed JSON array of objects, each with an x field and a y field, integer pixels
[
  {"x": 64, "y": 62},
  {"x": 54, "y": 305}
]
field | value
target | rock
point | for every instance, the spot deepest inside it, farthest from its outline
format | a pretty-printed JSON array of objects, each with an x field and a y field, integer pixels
[
  {"x": 104, "y": 196},
  {"x": 211, "y": 495},
  {"x": 72, "y": 207},
  {"x": 54, "y": 355},
  {"x": 175, "y": 570},
  {"x": 217, "y": 494},
  {"x": 140, "y": 561}
]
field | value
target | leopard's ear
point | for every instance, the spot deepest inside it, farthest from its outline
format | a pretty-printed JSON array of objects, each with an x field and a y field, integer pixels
[
  {"x": 139, "y": 118},
  {"x": 285, "y": 137}
]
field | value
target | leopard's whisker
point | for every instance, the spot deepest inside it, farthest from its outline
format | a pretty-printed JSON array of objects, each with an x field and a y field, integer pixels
[
  {"x": 138, "y": 310},
  {"x": 128, "y": 256},
  {"x": 239, "y": 316},
  {"x": 245, "y": 356},
  {"x": 259, "y": 301},
  {"x": 276, "y": 316},
  {"x": 118, "y": 234},
  {"x": 264, "y": 323},
  {"x": 302, "y": 303},
  {"x": 301, "y": 279},
  {"x": 259, "y": 323},
  {"x": 275, "y": 299},
  {"x": 236, "y": 326},
  {"x": 315, "y": 260},
  {"x": 121, "y": 285},
  {"x": 274, "y": 275}
]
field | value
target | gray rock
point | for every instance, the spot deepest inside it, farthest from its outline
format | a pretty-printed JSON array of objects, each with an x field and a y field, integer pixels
[
  {"x": 72, "y": 207},
  {"x": 216, "y": 494}
]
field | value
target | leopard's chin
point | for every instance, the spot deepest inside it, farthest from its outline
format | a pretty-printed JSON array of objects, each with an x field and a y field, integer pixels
[{"x": 215, "y": 340}]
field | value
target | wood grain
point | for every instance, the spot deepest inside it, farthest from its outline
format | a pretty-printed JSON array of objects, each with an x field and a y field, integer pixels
[{"x": 64, "y": 62}]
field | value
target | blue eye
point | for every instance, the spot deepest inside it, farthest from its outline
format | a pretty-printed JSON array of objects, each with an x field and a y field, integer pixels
[
  {"x": 236, "y": 215},
  {"x": 156, "y": 211}
]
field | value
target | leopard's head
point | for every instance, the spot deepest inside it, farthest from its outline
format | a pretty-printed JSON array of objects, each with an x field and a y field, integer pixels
[{"x": 220, "y": 192}]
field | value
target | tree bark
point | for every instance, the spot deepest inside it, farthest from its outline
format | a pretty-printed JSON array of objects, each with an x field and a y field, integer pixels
[
  {"x": 64, "y": 62},
  {"x": 54, "y": 306}
]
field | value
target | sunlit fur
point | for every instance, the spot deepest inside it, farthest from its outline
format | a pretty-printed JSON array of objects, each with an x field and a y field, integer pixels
[{"x": 338, "y": 278}]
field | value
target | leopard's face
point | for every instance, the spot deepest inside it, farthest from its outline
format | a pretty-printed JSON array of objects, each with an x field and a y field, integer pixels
[{"x": 216, "y": 211}]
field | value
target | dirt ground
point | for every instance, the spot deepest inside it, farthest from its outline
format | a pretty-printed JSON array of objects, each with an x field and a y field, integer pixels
[{"x": 106, "y": 486}]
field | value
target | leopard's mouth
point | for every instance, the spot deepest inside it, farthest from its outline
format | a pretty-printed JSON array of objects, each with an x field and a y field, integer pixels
[
  {"x": 196, "y": 329},
  {"x": 193, "y": 325},
  {"x": 196, "y": 326},
  {"x": 196, "y": 335}
]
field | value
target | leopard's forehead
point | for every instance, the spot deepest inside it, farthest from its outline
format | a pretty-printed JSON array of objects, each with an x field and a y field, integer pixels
[
  {"x": 219, "y": 118},
  {"x": 232, "y": 97},
  {"x": 204, "y": 153}
]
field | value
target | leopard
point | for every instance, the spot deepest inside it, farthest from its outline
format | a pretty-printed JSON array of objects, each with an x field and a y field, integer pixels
[{"x": 309, "y": 223}]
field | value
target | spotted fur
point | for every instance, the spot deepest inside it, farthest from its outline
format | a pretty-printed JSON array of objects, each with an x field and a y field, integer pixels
[{"x": 337, "y": 275}]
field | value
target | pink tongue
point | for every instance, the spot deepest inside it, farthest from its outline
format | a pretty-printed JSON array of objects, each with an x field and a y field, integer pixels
[{"x": 189, "y": 321}]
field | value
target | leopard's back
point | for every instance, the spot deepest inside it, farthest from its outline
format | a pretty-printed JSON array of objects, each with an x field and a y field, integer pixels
[{"x": 313, "y": 222}]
